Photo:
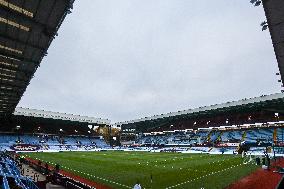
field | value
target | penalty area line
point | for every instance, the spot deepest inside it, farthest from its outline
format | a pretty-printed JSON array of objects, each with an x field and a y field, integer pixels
[{"x": 207, "y": 175}]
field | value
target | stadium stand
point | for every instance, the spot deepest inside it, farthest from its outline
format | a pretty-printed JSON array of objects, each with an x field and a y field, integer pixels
[
  {"x": 27, "y": 30},
  {"x": 224, "y": 131},
  {"x": 29, "y": 142},
  {"x": 217, "y": 140},
  {"x": 10, "y": 175}
]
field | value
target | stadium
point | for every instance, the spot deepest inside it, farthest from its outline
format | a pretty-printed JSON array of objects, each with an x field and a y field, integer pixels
[{"x": 234, "y": 145}]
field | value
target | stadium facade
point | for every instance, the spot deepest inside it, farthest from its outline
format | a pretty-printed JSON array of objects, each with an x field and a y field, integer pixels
[
  {"x": 267, "y": 108},
  {"x": 275, "y": 15},
  {"x": 27, "y": 29}
]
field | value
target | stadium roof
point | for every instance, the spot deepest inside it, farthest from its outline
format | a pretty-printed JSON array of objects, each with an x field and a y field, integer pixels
[
  {"x": 27, "y": 28},
  {"x": 275, "y": 99},
  {"x": 274, "y": 11},
  {"x": 58, "y": 116}
]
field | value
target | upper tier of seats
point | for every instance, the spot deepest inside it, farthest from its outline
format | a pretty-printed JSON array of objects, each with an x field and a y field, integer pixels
[{"x": 255, "y": 135}]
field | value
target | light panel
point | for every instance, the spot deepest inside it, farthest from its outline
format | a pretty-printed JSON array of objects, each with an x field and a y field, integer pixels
[
  {"x": 10, "y": 58},
  {"x": 6, "y": 75},
  {"x": 4, "y": 79},
  {"x": 16, "y": 8},
  {"x": 5, "y": 93},
  {"x": 12, "y": 23},
  {"x": 7, "y": 70},
  {"x": 5, "y": 98},
  {"x": 11, "y": 49},
  {"x": 7, "y": 88},
  {"x": 7, "y": 64}
]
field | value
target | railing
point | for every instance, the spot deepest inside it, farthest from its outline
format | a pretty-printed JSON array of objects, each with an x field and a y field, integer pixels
[
  {"x": 5, "y": 183},
  {"x": 72, "y": 185},
  {"x": 29, "y": 183},
  {"x": 9, "y": 170},
  {"x": 280, "y": 184}
]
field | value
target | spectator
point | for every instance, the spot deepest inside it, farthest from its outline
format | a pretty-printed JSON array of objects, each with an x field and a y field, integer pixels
[{"x": 137, "y": 186}]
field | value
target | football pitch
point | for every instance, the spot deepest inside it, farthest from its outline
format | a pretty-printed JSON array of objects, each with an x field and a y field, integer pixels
[{"x": 153, "y": 170}]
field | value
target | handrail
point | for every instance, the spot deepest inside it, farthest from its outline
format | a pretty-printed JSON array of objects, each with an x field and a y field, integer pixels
[
  {"x": 20, "y": 183},
  {"x": 281, "y": 183},
  {"x": 5, "y": 183},
  {"x": 30, "y": 184},
  {"x": 8, "y": 168}
]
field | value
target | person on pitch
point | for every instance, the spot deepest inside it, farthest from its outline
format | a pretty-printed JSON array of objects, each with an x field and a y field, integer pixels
[{"x": 137, "y": 185}]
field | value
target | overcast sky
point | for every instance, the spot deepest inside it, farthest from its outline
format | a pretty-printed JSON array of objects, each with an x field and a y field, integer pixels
[{"x": 127, "y": 59}]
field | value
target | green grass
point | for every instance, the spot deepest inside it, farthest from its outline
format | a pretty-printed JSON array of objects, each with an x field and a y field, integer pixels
[{"x": 167, "y": 169}]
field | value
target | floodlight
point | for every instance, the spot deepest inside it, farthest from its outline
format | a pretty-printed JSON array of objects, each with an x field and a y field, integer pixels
[
  {"x": 264, "y": 27},
  {"x": 257, "y": 3},
  {"x": 263, "y": 23}
]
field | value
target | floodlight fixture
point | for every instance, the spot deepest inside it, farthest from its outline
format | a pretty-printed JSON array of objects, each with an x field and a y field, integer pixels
[
  {"x": 253, "y": 1},
  {"x": 90, "y": 126},
  {"x": 227, "y": 121},
  {"x": 249, "y": 118},
  {"x": 264, "y": 27},
  {"x": 256, "y": 3},
  {"x": 263, "y": 23}
]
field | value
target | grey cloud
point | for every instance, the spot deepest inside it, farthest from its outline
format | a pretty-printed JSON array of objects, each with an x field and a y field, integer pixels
[{"x": 128, "y": 59}]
